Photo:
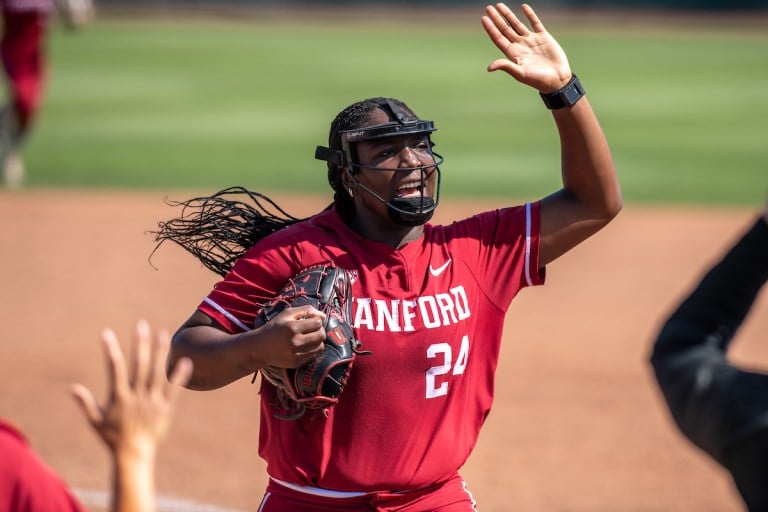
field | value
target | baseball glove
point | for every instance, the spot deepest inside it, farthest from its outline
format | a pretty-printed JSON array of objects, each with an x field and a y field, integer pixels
[{"x": 317, "y": 384}]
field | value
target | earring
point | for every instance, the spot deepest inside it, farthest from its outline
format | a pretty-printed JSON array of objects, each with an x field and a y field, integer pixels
[{"x": 351, "y": 192}]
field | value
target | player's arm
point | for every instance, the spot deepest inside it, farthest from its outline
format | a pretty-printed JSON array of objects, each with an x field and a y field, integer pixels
[
  {"x": 712, "y": 313},
  {"x": 136, "y": 416},
  {"x": 590, "y": 196},
  {"x": 287, "y": 341},
  {"x": 765, "y": 212}
]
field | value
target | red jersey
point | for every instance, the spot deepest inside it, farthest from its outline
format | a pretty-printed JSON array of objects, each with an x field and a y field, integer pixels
[
  {"x": 431, "y": 313},
  {"x": 22, "y": 52},
  {"x": 27, "y": 484}
]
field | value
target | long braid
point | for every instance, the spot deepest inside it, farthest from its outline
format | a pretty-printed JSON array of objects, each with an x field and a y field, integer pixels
[{"x": 217, "y": 229}]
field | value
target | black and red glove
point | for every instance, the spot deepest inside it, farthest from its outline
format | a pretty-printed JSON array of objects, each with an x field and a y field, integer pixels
[{"x": 318, "y": 383}]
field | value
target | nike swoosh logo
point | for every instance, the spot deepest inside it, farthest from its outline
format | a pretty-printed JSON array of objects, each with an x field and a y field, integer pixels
[{"x": 439, "y": 270}]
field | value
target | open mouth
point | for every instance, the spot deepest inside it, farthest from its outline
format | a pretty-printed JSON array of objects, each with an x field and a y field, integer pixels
[{"x": 412, "y": 189}]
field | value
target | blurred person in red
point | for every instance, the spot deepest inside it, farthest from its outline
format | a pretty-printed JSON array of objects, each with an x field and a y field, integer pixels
[
  {"x": 23, "y": 54},
  {"x": 132, "y": 422},
  {"x": 22, "y": 48}
]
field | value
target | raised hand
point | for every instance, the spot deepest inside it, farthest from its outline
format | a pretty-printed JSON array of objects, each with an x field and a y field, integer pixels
[
  {"x": 138, "y": 409},
  {"x": 532, "y": 56}
]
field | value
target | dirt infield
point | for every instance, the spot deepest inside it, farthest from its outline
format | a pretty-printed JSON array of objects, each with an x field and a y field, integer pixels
[{"x": 577, "y": 424}]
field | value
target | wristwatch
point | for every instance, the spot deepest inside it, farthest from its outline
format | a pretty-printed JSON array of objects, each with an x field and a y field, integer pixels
[{"x": 565, "y": 97}]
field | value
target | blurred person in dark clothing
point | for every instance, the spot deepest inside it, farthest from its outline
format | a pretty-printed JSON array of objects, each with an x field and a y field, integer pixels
[{"x": 721, "y": 408}]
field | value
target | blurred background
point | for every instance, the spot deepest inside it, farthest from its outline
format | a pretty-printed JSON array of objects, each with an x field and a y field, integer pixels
[
  {"x": 672, "y": 4},
  {"x": 205, "y": 95}
]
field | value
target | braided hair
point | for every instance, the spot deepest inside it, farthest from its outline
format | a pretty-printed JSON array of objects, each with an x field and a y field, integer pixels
[{"x": 219, "y": 228}]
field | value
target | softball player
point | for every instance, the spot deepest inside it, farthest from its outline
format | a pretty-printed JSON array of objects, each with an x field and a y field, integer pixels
[
  {"x": 721, "y": 408},
  {"x": 429, "y": 300},
  {"x": 23, "y": 53},
  {"x": 22, "y": 48}
]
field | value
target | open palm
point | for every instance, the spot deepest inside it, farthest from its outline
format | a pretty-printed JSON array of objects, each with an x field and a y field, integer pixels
[{"x": 533, "y": 56}]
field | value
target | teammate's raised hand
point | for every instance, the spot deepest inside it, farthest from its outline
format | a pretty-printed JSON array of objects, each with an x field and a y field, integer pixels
[
  {"x": 532, "y": 55},
  {"x": 139, "y": 404},
  {"x": 136, "y": 414}
]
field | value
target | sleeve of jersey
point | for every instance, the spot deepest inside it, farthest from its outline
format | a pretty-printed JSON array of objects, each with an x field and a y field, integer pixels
[
  {"x": 254, "y": 280},
  {"x": 26, "y": 481},
  {"x": 506, "y": 242}
]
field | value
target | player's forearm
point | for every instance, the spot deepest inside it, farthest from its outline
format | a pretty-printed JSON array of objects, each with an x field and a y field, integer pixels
[
  {"x": 715, "y": 309},
  {"x": 218, "y": 358},
  {"x": 133, "y": 483},
  {"x": 727, "y": 292},
  {"x": 588, "y": 173}
]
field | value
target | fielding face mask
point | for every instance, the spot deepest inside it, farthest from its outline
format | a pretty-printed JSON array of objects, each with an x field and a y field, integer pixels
[{"x": 406, "y": 211}]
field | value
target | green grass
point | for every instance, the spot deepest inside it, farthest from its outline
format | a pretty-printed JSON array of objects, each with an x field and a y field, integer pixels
[{"x": 209, "y": 104}]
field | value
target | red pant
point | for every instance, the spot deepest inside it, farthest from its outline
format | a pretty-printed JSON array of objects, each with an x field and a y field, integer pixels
[
  {"x": 22, "y": 52},
  {"x": 449, "y": 496}
]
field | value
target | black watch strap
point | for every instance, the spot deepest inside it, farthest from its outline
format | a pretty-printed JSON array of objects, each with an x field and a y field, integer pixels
[{"x": 565, "y": 97}]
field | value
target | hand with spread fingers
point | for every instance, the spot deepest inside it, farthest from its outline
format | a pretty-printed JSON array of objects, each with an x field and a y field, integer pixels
[
  {"x": 533, "y": 56},
  {"x": 137, "y": 413}
]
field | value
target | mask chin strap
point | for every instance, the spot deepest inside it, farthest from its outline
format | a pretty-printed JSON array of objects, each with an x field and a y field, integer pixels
[{"x": 409, "y": 211}]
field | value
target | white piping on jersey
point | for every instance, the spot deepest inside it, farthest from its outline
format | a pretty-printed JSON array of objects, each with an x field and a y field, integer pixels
[
  {"x": 528, "y": 244},
  {"x": 264, "y": 501},
  {"x": 227, "y": 314},
  {"x": 317, "y": 491},
  {"x": 471, "y": 498}
]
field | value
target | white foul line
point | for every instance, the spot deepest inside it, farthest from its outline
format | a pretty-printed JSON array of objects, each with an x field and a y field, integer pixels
[{"x": 95, "y": 498}]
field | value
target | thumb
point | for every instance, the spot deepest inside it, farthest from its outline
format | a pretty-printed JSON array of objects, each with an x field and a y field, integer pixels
[
  {"x": 504, "y": 65},
  {"x": 180, "y": 375},
  {"x": 87, "y": 403}
]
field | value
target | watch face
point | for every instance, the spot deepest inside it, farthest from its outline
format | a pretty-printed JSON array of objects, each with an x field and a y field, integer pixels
[
  {"x": 572, "y": 94},
  {"x": 565, "y": 97}
]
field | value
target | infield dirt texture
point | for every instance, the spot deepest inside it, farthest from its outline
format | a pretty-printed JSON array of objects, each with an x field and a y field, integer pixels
[{"x": 577, "y": 426}]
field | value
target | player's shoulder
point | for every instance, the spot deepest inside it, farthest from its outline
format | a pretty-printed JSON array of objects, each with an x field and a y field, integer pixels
[
  {"x": 313, "y": 231},
  {"x": 516, "y": 214},
  {"x": 14, "y": 449},
  {"x": 11, "y": 431}
]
